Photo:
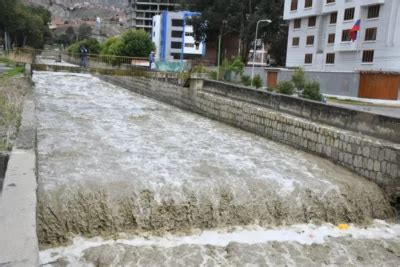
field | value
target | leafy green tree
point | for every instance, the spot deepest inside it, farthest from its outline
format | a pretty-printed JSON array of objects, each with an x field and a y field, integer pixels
[
  {"x": 240, "y": 17},
  {"x": 132, "y": 43},
  {"x": 92, "y": 45},
  {"x": 111, "y": 46},
  {"x": 7, "y": 20},
  {"x": 23, "y": 25},
  {"x": 135, "y": 43}
]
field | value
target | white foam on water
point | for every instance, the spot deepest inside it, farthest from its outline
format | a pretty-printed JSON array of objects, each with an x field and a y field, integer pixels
[{"x": 305, "y": 234}]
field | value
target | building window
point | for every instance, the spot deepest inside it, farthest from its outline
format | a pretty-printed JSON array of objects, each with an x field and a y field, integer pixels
[
  {"x": 177, "y": 23},
  {"x": 330, "y": 1},
  {"x": 296, "y": 41},
  {"x": 188, "y": 33},
  {"x": 373, "y": 11},
  {"x": 349, "y": 13},
  {"x": 333, "y": 18},
  {"x": 297, "y": 24},
  {"x": 293, "y": 6},
  {"x": 346, "y": 36},
  {"x": 330, "y": 58},
  {"x": 308, "y": 59},
  {"x": 370, "y": 34},
  {"x": 189, "y": 45},
  {"x": 368, "y": 56},
  {"x": 310, "y": 40},
  {"x": 308, "y": 3},
  {"x": 176, "y": 34},
  {"x": 176, "y": 45},
  {"x": 312, "y": 21},
  {"x": 331, "y": 38}
]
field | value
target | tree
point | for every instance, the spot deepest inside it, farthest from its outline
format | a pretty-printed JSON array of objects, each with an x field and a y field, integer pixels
[
  {"x": 23, "y": 25},
  {"x": 133, "y": 43},
  {"x": 7, "y": 15},
  {"x": 241, "y": 17},
  {"x": 92, "y": 45},
  {"x": 70, "y": 32},
  {"x": 84, "y": 32},
  {"x": 111, "y": 46}
]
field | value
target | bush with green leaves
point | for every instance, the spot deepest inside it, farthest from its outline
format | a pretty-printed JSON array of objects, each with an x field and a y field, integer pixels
[
  {"x": 312, "y": 91},
  {"x": 237, "y": 66},
  {"x": 299, "y": 79},
  {"x": 285, "y": 87},
  {"x": 246, "y": 80},
  {"x": 92, "y": 45},
  {"x": 110, "y": 46},
  {"x": 214, "y": 74},
  {"x": 200, "y": 69},
  {"x": 257, "y": 81}
]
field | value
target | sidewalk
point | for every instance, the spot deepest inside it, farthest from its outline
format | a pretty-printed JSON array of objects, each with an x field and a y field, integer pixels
[{"x": 377, "y": 102}]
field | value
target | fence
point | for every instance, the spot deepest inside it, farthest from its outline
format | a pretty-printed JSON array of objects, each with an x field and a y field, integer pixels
[{"x": 28, "y": 55}]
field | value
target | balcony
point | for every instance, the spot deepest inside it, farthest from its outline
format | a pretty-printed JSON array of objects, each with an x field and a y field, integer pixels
[
  {"x": 371, "y": 2},
  {"x": 346, "y": 46}
]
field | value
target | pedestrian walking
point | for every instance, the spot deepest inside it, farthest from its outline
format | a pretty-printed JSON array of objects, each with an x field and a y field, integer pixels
[
  {"x": 151, "y": 59},
  {"x": 83, "y": 53}
]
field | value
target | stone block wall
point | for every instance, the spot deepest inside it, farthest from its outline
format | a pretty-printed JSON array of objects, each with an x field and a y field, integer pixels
[
  {"x": 3, "y": 168},
  {"x": 373, "y": 158}
]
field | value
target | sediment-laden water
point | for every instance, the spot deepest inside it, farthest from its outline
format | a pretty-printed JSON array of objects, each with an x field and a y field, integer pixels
[{"x": 112, "y": 161}]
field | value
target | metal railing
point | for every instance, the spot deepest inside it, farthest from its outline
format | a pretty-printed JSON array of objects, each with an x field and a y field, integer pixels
[{"x": 29, "y": 55}]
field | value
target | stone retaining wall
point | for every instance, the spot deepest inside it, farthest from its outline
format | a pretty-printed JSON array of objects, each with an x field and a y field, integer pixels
[
  {"x": 273, "y": 117},
  {"x": 3, "y": 167}
]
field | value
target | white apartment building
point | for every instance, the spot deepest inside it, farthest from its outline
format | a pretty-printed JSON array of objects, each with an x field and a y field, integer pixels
[
  {"x": 173, "y": 37},
  {"x": 319, "y": 35}
]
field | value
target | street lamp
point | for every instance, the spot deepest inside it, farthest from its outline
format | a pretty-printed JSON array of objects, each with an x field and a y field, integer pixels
[{"x": 255, "y": 47}]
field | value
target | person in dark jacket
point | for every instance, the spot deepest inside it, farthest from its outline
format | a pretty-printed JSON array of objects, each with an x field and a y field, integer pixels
[{"x": 83, "y": 53}]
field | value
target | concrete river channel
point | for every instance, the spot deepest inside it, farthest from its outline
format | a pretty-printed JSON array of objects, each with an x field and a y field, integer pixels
[{"x": 125, "y": 180}]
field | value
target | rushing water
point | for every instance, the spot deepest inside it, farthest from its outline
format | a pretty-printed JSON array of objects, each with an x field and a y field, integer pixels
[{"x": 112, "y": 161}]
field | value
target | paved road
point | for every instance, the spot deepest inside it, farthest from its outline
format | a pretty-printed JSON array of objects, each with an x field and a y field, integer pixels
[{"x": 387, "y": 111}]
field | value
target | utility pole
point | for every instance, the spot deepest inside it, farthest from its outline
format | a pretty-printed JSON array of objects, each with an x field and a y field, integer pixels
[
  {"x": 255, "y": 47},
  {"x": 224, "y": 22}
]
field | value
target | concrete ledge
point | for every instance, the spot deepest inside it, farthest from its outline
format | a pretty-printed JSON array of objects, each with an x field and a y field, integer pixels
[
  {"x": 379, "y": 126},
  {"x": 18, "y": 238}
]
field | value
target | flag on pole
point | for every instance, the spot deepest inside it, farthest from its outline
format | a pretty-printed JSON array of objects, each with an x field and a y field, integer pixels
[{"x": 354, "y": 31}]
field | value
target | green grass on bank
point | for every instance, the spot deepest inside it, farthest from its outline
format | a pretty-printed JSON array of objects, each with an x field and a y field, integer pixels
[
  {"x": 6, "y": 61},
  {"x": 13, "y": 72},
  {"x": 347, "y": 101}
]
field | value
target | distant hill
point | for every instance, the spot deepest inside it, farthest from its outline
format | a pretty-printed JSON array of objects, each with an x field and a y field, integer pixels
[
  {"x": 71, "y": 3},
  {"x": 77, "y": 9}
]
